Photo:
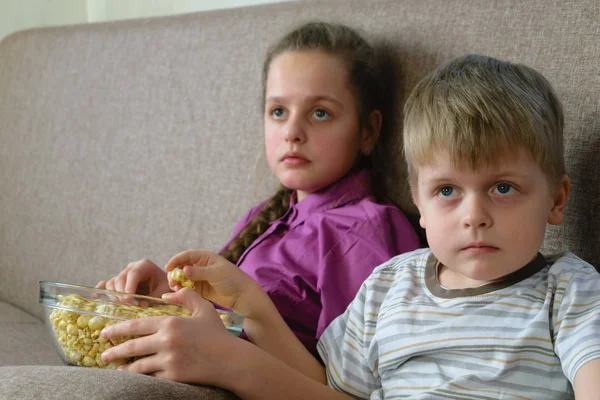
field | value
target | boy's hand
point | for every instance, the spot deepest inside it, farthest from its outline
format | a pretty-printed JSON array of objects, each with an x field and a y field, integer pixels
[
  {"x": 140, "y": 277},
  {"x": 217, "y": 280}
]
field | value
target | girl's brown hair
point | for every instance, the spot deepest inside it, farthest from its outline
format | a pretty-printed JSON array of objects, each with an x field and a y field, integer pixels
[{"x": 365, "y": 81}]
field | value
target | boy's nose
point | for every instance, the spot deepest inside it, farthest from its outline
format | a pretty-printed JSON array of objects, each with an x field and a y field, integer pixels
[{"x": 476, "y": 214}]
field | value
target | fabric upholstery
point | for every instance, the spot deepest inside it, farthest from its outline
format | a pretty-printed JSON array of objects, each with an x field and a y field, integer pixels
[
  {"x": 169, "y": 111},
  {"x": 25, "y": 340},
  {"x": 142, "y": 138},
  {"x": 96, "y": 384},
  {"x": 139, "y": 138}
]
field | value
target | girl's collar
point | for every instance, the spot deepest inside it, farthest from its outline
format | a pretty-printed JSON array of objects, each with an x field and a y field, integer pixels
[{"x": 350, "y": 188}]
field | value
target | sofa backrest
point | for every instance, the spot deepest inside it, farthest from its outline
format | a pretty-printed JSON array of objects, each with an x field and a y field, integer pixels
[{"x": 140, "y": 138}]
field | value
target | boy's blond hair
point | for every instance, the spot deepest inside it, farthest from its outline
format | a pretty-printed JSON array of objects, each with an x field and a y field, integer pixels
[{"x": 481, "y": 110}]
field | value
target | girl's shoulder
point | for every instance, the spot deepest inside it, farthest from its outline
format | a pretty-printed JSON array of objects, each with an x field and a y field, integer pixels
[
  {"x": 365, "y": 209},
  {"x": 368, "y": 217}
]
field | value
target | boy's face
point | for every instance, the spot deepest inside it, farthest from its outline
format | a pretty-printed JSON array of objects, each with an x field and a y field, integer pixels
[{"x": 486, "y": 223}]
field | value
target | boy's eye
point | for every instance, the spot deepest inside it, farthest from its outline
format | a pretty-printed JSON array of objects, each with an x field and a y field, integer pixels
[
  {"x": 504, "y": 189},
  {"x": 277, "y": 113},
  {"x": 321, "y": 114},
  {"x": 447, "y": 192}
]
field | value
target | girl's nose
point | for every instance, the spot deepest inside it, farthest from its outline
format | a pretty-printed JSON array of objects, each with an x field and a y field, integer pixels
[{"x": 294, "y": 130}]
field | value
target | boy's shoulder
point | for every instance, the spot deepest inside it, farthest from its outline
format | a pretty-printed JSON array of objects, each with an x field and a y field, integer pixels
[
  {"x": 567, "y": 265},
  {"x": 562, "y": 267},
  {"x": 412, "y": 260}
]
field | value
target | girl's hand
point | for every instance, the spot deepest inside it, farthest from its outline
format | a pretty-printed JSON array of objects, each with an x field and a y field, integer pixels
[
  {"x": 184, "y": 349},
  {"x": 140, "y": 277},
  {"x": 217, "y": 280},
  {"x": 220, "y": 281}
]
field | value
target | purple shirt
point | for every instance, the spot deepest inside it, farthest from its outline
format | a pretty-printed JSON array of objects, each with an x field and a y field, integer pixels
[{"x": 312, "y": 261}]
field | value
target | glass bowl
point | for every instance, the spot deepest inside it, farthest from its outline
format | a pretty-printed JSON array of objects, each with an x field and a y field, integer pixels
[{"x": 75, "y": 315}]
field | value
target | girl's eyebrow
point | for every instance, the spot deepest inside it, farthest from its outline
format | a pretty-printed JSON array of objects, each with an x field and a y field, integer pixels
[{"x": 311, "y": 99}]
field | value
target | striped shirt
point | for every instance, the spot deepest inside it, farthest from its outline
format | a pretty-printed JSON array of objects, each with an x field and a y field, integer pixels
[{"x": 406, "y": 337}]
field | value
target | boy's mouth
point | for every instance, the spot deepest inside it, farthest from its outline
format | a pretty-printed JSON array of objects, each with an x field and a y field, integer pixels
[{"x": 479, "y": 248}]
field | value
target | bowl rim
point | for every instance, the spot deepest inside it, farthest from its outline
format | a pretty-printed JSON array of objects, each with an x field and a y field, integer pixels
[
  {"x": 107, "y": 291},
  {"x": 78, "y": 311},
  {"x": 45, "y": 283}
]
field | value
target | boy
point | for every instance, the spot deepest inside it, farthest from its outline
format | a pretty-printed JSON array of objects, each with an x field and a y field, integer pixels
[
  {"x": 481, "y": 313},
  {"x": 478, "y": 315}
]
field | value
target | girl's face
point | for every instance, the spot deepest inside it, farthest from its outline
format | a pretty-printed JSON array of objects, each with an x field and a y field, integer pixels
[{"x": 312, "y": 135}]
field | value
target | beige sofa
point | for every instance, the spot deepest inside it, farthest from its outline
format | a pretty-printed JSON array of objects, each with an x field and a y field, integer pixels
[{"x": 141, "y": 138}]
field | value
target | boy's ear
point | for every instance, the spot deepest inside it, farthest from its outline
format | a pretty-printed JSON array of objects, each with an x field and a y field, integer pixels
[
  {"x": 371, "y": 131},
  {"x": 557, "y": 213}
]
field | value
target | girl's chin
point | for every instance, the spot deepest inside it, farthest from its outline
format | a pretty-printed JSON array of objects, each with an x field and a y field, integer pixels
[
  {"x": 304, "y": 189},
  {"x": 295, "y": 182}
]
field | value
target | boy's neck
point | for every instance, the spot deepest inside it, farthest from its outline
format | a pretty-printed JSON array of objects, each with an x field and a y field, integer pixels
[{"x": 449, "y": 280}]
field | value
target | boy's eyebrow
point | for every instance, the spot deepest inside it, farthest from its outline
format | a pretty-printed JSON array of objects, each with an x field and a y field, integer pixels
[
  {"x": 311, "y": 99},
  {"x": 438, "y": 180},
  {"x": 502, "y": 174}
]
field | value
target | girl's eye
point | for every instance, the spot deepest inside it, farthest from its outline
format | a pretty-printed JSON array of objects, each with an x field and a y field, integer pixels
[
  {"x": 277, "y": 113},
  {"x": 321, "y": 114},
  {"x": 504, "y": 189},
  {"x": 447, "y": 192}
]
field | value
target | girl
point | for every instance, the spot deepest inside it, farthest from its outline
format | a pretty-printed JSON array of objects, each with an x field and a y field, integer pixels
[{"x": 314, "y": 242}]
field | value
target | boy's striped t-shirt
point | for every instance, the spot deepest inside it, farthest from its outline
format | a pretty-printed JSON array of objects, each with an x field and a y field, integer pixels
[{"x": 406, "y": 337}]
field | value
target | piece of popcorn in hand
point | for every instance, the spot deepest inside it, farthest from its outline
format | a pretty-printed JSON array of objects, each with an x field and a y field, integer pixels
[{"x": 178, "y": 276}]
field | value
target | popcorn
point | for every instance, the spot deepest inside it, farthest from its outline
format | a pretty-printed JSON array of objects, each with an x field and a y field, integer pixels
[
  {"x": 178, "y": 276},
  {"x": 78, "y": 334}
]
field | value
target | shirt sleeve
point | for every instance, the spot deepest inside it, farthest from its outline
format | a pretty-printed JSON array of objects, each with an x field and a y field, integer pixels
[
  {"x": 346, "y": 345},
  {"x": 577, "y": 316},
  {"x": 359, "y": 249}
]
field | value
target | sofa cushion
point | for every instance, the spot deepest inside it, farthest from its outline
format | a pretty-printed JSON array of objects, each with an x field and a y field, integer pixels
[
  {"x": 47, "y": 382},
  {"x": 138, "y": 138},
  {"x": 25, "y": 340}
]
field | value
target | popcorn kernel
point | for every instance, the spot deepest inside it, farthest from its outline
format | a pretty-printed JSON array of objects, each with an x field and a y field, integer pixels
[{"x": 178, "y": 276}]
